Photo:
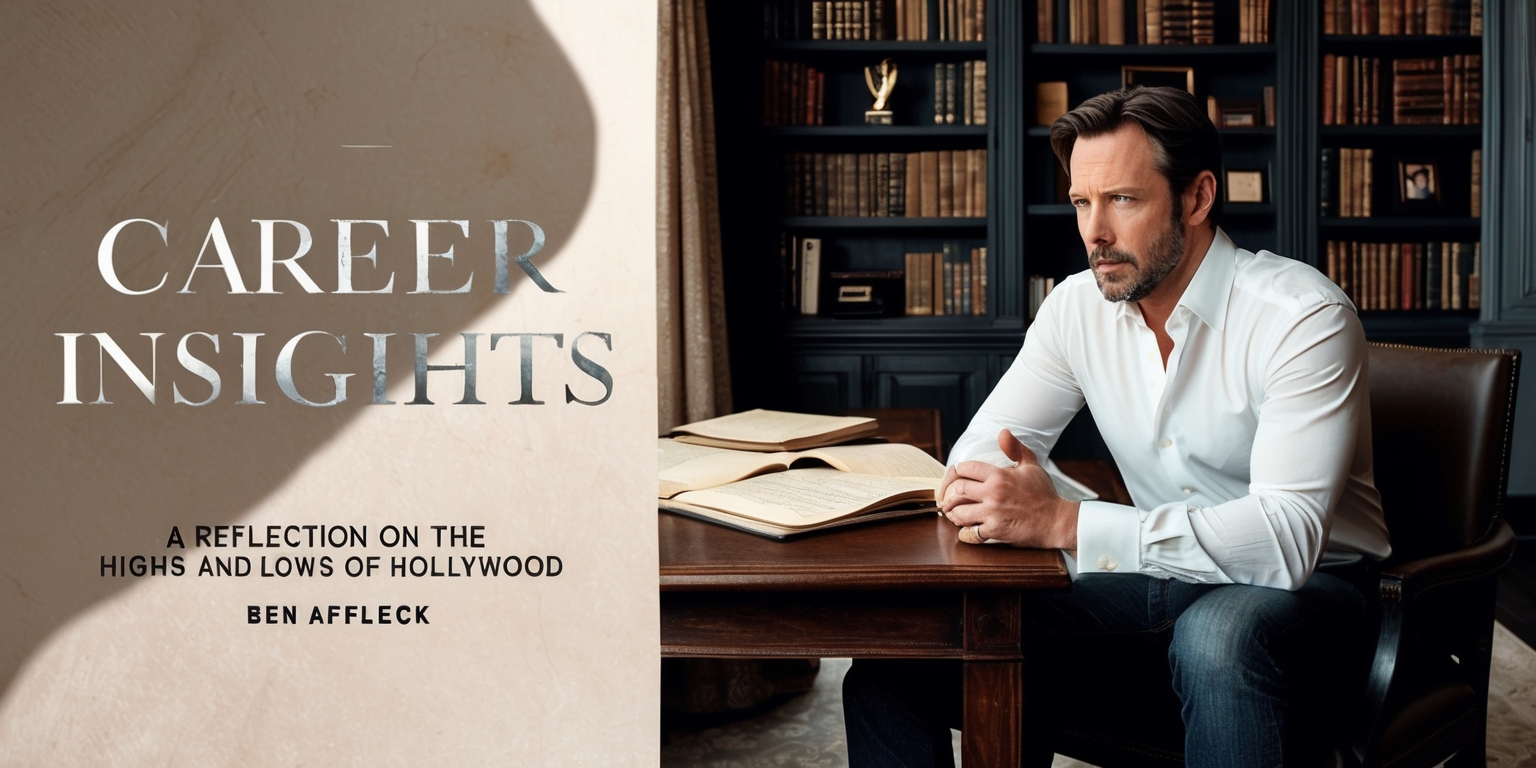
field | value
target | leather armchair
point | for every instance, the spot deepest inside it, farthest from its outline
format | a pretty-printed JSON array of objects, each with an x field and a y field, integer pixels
[{"x": 1441, "y": 423}]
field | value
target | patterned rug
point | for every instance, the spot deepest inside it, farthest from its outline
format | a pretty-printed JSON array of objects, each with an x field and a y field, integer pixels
[{"x": 808, "y": 730}]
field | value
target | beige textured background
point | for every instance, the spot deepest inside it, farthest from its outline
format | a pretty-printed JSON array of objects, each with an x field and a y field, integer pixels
[{"x": 180, "y": 111}]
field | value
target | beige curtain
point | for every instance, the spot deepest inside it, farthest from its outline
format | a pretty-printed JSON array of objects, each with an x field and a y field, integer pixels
[{"x": 693, "y": 364}]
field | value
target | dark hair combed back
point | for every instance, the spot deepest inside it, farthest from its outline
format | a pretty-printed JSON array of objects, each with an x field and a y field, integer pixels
[{"x": 1184, "y": 142}]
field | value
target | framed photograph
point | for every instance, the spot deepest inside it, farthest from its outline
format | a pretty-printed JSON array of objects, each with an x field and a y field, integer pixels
[
  {"x": 1245, "y": 186},
  {"x": 1237, "y": 113},
  {"x": 1173, "y": 77},
  {"x": 1418, "y": 183}
]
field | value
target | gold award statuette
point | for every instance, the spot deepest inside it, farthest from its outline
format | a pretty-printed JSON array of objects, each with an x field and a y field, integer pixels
[{"x": 879, "y": 115}]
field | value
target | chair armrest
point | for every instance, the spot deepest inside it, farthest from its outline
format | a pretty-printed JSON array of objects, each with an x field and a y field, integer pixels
[
  {"x": 1400, "y": 586},
  {"x": 1406, "y": 581}
]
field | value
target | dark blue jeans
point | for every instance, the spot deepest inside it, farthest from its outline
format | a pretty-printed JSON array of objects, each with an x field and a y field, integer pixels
[{"x": 1261, "y": 676}]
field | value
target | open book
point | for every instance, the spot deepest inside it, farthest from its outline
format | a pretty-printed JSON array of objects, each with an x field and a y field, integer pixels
[
  {"x": 790, "y": 493},
  {"x": 803, "y": 491},
  {"x": 761, "y": 430}
]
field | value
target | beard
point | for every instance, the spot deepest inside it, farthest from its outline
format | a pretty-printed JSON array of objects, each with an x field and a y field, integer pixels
[{"x": 1146, "y": 272}]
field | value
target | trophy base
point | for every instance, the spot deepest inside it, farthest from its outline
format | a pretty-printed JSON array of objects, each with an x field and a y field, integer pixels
[{"x": 877, "y": 117}]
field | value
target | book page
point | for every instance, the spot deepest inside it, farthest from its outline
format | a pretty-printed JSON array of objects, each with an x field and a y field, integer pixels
[
  {"x": 888, "y": 459},
  {"x": 802, "y": 497},
  {"x": 764, "y": 426},
  {"x": 690, "y": 467}
]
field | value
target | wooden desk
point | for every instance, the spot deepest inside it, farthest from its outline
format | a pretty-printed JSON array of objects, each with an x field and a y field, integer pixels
[{"x": 905, "y": 589}]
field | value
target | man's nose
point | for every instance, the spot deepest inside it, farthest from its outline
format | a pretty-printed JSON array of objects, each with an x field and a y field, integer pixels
[{"x": 1093, "y": 225}]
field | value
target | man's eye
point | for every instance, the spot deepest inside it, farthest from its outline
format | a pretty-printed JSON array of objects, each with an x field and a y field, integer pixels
[
  {"x": 1080, "y": 203},
  {"x": 1121, "y": 198}
]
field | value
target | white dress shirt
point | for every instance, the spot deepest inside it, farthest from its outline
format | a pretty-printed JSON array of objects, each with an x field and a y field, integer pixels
[{"x": 1246, "y": 458}]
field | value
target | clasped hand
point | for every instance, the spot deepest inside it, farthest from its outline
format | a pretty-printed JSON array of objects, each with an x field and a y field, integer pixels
[{"x": 1015, "y": 505}]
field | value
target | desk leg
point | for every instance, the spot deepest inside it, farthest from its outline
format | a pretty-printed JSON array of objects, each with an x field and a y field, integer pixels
[
  {"x": 994, "y": 703},
  {"x": 994, "y": 732}
]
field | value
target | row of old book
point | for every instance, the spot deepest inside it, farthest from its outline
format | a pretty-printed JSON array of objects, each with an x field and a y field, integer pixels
[
  {"x": 1402, "y": 17},
  {"x": 1150, "y": 22},
  {"x": 1446, "y": 90},
  {"x": 1407, "y": 276},
  {"x": 960, "y": 93},
  {"x": 961, "y": 21},
  {"x": 947, "y": 20},
  {"x": 1353, "y": 168},
  {"x": 935, "y": 183},
  {"x": 793, "y": 93},
  {"x": 1346, "y": 176},
  {"x": 948, "y": 282}
]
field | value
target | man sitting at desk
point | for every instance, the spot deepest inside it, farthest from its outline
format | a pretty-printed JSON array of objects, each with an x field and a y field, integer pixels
[{"x": 1230, "y": 387}]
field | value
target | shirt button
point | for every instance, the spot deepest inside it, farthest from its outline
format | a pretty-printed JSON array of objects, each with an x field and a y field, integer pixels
[
  {"x": 1107, "y": 563},
  {"x": 1166, "y": 443},
  {"x": 1187, "y": 490}
]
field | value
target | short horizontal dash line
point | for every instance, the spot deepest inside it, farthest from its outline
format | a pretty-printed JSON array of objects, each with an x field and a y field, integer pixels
[{"x": 367, "y": 146}]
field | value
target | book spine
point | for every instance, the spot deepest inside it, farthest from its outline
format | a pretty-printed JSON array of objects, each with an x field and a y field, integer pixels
[
  {"x": 980, "y": 111},
  {"x": 933, "y": 282},
  {"x": 951, "y": 86},
  {"x": 980, "y": 195},
  {"x": 967, "y": 91},
  {"x": 981, "y": 294},
  {"x": 810, "y": 275},
  {"x": 930, "y": 183},
  {"x": 938, "y": 93},
  {"x": 1327, "y": 159},
  {"x": 946, "y": 182},
  {"x": 1329, "y": 62},
  {"x": 912, "y": 204}
]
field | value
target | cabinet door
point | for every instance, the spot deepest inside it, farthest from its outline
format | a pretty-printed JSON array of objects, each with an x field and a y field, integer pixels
[
  {"x": 954, "y": 384},
  {"x": 825, "y": 383}
]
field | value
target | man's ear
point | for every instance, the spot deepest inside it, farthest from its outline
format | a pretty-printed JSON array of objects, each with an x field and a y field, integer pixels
[{"x": 1199, "y": 197}]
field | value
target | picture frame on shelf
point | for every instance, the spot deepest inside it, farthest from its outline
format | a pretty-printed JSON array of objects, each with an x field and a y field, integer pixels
[
  {"x": 1245, "y": 186},
  {"x": 1236, "y": 113},
  {"x": 1418, "y": 184},
  {"x": 1150, "y": 76}
]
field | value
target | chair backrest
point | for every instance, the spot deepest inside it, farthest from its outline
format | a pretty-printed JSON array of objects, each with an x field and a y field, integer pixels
[{"x": 1441, "y": 425}]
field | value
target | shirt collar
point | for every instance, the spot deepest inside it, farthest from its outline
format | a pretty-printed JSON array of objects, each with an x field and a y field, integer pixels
[
  {"x": 1211, "y": 287},
  {"x": 1207, "y": 293}
]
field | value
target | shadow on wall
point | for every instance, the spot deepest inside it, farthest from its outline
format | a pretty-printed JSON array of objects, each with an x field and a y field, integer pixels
[{"x": 184, "y": 112}]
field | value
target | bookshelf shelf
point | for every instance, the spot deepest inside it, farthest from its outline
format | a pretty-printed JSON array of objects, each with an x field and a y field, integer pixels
[
  {"x": 876, "y": 47},
  {"x": 942, "y": 328},
  {"x": 1416, "y": 223},
  {"x": 1228, "y": 133},
  {"x": 1402, "y": 131},
  {"x": 877, "y": 131},
  {"x": 850, "y": 223},
  {"x": 1257, "y": 50},
  {"x": 1402, "y": 41}
]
